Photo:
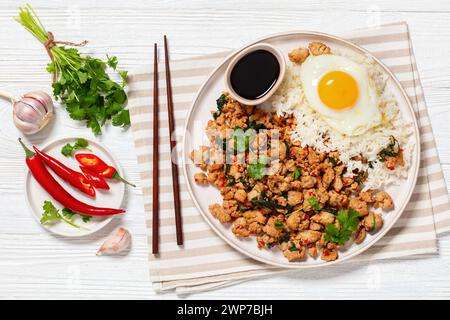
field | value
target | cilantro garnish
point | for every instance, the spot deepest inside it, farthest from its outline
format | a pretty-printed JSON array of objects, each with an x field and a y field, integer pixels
[
  {"x": 256, "y": 126},
  {"x": 69, "y": 150},
  {"x": 258, "y": 170},
  {"x": 297, "y": 173},
  {"x": 279, "y": 225},
  {"x": 220, "y": 103},
  {"x": 313, "y": 203},
  {"x": 333, "y": 161},
  {"x": 52, "y": 215},
  {"x": 69, "y": 215},
  {"x": 392, "y": 150},
  {"x": 348, "y": 220},
  {"x": 242, "y": 139}
]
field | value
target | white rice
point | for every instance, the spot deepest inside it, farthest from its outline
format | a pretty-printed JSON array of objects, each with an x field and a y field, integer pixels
[{"x": 313, "y": 131}]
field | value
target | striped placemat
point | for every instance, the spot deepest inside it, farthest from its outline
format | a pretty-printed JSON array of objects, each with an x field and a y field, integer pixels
[{"x": 206, "y": 261}]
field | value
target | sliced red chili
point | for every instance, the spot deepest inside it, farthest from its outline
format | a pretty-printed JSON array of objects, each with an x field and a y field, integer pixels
[
  {"x": 73, "y": 177},
  {"x": 97, "y": 165},
  {"x": 97, "y": 181}
]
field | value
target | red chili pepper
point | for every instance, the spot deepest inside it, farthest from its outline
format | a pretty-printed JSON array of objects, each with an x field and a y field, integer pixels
[
  {"x": 75, "y": 178},
  {"x": 46, "y": 180},
  {"x": 97, "y": 165},
  {"x": 97, "y": 181}
]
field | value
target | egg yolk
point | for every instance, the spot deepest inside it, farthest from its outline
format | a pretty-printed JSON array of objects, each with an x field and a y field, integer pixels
[{"x": 338, "y": 90}]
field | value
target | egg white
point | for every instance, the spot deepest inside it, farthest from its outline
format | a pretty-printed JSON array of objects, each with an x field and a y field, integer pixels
[{"x": 352, "y": 121}]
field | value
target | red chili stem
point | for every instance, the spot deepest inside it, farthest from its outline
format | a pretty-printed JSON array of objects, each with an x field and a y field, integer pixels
[
  {"x": 46, "y": 180},
  {"x": 97, "y": 165},
  {"x": 119, "y": 178}
]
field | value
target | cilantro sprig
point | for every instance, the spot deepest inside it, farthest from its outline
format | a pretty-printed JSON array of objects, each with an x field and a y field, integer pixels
[
  {"x": 297, "y": 173},
  {"x": 81, "y": 82},
  {"x": 68, "y": 149},
  {"x": 51, "y": 215},
  {"x": 69, "y": 214},
  {"x": 348, "y": 220},
  {"x": 258, "y": 170},
  {"x": 314, "y": 203}
]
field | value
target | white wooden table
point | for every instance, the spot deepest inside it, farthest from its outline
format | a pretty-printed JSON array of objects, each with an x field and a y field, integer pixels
[{"x": 36, "y": 264}]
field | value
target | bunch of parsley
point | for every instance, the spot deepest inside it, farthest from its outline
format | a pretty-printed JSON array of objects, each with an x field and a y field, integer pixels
[{"x": 81, "y": 82}]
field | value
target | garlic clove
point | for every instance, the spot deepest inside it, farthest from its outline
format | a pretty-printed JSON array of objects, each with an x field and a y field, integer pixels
[
  {"x": 26, "y": 112},
  {"x": 33, "y": 104},
  {"x": 43, "y": 98},
  {"x": 26, "y": 127},
  {"x": 118, "y": 241},
  {"x": 32, "y": 112}
]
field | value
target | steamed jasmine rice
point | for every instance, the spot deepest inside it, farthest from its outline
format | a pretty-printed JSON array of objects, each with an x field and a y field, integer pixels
[{"x": 313, "y": 131}]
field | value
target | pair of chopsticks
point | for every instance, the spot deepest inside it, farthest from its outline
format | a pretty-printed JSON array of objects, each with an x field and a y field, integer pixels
[{"x": 175, "y": 184}]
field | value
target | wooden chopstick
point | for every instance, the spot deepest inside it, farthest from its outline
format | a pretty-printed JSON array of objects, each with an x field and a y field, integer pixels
[
  {"x": 175, "y": 185},
  {"x": 155, "y": 218}
]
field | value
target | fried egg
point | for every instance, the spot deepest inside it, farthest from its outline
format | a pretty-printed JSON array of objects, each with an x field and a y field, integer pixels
[{"x": 340, "y": 90}]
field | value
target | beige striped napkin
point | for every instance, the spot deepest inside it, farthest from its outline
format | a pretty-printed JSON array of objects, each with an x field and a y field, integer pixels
[{"x": 206, "y": 261}]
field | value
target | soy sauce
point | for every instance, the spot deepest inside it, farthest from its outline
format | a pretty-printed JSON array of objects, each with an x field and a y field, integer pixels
[{"x": 255, "y": 74}]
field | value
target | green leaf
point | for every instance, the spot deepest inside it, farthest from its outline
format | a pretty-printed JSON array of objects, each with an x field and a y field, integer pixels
[
  {"x": 256, "y": 126},
  {"x": 94, "y": 125},
  {"x": 50, "y": 214},
  {"x": 82, "y": 76},
  {"x": 85, "y": 218},
  {"x": 279, "y": 225},
  {"x": 112, "y": 61},
  {"x": 240, "y": 141},
  {"x": 333, "y": 161},
  {"x": 221, "y": 102},
  {"x": 314, "y": 203},
  {"x": 257, "y": 171},
  {"x": 68, "y": 149},
  {"x": 81, "y": 143},
  {"x": 348, "y": 220},
  {"x": 121, "y": 119},
  {"x": 297, "y": 173},
  {"x": 68, "y": 213},
  {"x": 123, "y": 75},
  {"x": 76, "y": 112},
  {"x": 51, "y": 67}
]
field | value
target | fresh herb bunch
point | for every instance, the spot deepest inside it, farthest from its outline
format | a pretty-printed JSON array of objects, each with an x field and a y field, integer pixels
[{"x": 81, "y": 82}]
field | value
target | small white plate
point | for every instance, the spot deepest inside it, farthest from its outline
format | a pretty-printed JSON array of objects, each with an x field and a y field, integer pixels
[{"x": 111, "y": 198}]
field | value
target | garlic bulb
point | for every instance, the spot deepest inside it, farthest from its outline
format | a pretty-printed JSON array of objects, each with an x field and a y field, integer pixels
[
  {"x": 118, "y": 241},
  {"x": 32, "y": 112}
]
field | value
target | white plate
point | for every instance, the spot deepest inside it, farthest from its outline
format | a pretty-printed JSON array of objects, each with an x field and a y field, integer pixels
[
  {"x": 111, "y": 198},
  {"x": 200, "y": 113}
]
